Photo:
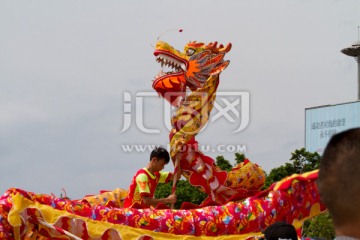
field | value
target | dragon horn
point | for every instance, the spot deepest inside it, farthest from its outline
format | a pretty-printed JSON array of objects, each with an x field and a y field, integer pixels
[
  {"x": 225, "y": 49},
  {"x": 215, "y": 49}
]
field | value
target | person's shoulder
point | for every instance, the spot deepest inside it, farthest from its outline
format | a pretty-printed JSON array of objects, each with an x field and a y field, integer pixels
[
  {"x": 141, "y": 170},
  {"x": 143, "y": 177}
]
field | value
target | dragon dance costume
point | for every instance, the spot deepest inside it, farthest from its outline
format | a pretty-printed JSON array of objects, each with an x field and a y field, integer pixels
[{"x": 239, "y": 208}]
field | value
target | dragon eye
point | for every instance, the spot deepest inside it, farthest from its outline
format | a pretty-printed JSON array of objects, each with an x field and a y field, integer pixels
[{"x": 190, "y": 52}]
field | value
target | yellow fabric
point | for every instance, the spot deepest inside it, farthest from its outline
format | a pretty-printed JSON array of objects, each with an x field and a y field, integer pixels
[
  {"x": 116, "y": 196},
  {"x": 314, "y": 211},
  {"x": 306, "y": 174},
  {"x": 249, "y": 176},
  {"x": 203, "y": 104},
  {"x": 163, "y": 176}
]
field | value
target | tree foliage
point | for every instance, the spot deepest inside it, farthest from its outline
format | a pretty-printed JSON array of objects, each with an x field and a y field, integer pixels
[
  {"x": 320, "y": 226},
  {"x": 301, "y": 161},
  {"x": 188, "y": 193},
  {"x": 239, "y": 158},
  {"x": 276, "y": 174},
  {"x": 185, "y": 192},
  {"x": 223, "y": 164},
  {"x": 304, "y": 161}
]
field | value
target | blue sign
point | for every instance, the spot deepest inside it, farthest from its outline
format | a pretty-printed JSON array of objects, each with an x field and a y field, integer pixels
[{"x": 323, "y": 122}]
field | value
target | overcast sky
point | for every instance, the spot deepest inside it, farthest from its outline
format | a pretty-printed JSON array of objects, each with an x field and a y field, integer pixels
[{"x": 65, "y": 67}]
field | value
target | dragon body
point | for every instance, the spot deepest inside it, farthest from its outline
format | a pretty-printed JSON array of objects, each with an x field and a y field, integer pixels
[
  {"x": 26, "y": 215},
  {"x": 198, "y": 69},
  {"x": 235, "y": 208}
]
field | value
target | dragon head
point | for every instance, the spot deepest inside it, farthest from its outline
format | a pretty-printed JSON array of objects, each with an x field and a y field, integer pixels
[{"x": 190, "y": 68}]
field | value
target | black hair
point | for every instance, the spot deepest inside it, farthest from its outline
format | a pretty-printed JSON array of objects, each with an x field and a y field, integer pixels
[
  {"x": 281, "y": 230},
  {"x": 160, "y": 153}
]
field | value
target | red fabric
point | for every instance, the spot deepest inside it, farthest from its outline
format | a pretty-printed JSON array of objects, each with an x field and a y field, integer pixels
[
  {"x": 162, "y": 206},
  {"x": 291, "y": 203}
]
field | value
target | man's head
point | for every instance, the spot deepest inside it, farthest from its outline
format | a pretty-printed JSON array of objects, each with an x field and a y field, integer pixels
[
  {"x": 160, "y": 153},
  {"x": 159, "y": 157},
  {"x": 280, "y": 230},
  {"x": 339, "y": 177}
]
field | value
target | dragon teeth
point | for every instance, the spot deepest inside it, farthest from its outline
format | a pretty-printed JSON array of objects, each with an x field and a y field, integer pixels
[
  {"x": 168, "y": 61},
  {"x": 183, "y": 67}
]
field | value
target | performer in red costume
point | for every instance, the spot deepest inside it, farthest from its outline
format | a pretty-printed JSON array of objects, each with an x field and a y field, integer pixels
[{"x": 143, "y": 184}]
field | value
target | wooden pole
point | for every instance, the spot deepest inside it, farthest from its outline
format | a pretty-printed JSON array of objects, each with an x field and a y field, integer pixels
[{"x": 175, "y": 177}]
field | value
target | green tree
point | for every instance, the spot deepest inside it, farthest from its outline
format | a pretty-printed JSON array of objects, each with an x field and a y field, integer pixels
[
  {"x": 223, "y": 164},
  {"x": 276, "y": 174},
  {"x": 304, "y": 161},
  {"x": 239, "y": 158},
  {"x": 185, "y": 192},
  {"x": 301, "y": 161},
  {"x": 320, "y": 226}
]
